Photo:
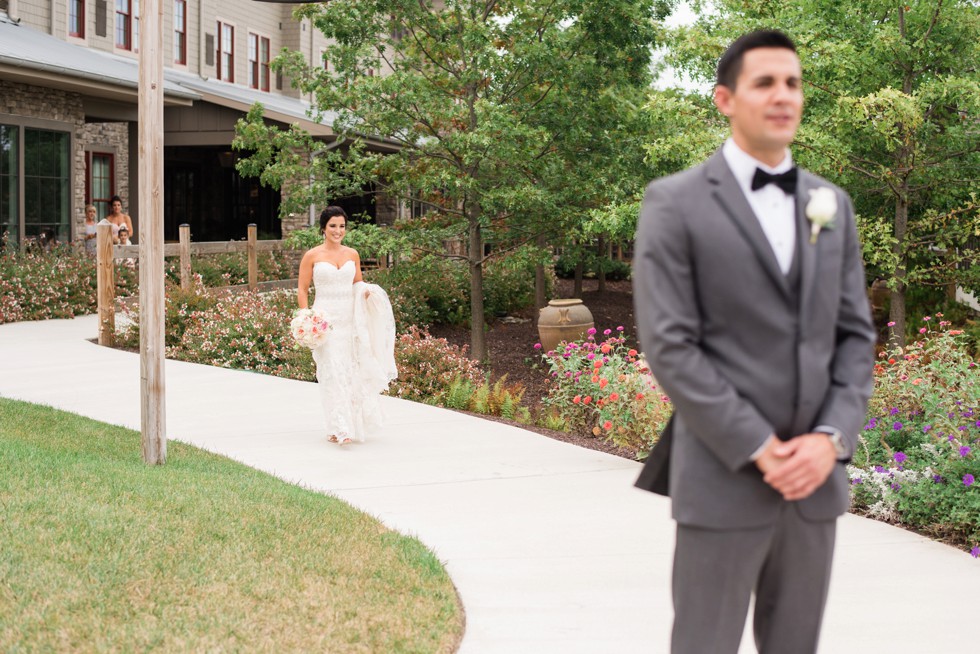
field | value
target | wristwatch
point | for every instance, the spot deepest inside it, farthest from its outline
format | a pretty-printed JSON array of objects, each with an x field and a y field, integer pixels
[{"x": 837, "y": 440}]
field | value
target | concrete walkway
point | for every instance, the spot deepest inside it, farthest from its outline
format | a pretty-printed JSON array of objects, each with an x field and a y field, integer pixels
[{"x": 550, "y": 546}]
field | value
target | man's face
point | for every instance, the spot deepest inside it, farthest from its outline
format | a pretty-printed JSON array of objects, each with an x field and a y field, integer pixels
[{"x": 766, "y": 105}]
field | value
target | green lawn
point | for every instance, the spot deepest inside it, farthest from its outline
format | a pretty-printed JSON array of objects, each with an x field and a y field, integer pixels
[{"x": 99, "y": 552}]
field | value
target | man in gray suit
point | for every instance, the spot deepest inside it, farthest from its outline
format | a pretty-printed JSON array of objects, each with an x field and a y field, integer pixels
[{"x": 751, "y": 310}]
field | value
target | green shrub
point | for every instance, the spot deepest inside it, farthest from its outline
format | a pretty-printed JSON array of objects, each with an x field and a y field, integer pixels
[
  {"x": 216, "y": 270},
  {"x": 567, "y": 261},
  {"x": 428, "y": 368}
]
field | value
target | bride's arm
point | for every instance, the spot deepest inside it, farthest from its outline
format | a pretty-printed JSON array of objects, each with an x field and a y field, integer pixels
[{"x": 305, "y": 277}]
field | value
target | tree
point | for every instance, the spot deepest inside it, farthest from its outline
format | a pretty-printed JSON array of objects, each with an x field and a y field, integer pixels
[
  {"x": 892, "y": 99},
  {"x": 508, "y": 115}
]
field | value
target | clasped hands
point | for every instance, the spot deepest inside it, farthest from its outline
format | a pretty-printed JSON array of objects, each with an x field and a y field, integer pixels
[{"x": 797, "y": 467}]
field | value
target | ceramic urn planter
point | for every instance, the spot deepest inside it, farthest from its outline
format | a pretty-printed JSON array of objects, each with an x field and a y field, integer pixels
[{"x": 563, "y": 320}]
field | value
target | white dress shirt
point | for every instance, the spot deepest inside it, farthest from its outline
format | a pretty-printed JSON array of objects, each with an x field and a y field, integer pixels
[{"x": 775, "y": 209}]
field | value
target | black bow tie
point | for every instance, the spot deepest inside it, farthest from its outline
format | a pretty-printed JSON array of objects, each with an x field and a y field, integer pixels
[{"x": 785, "y": 181}]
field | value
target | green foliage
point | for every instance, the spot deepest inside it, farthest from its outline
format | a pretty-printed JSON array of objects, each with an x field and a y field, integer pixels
[
  {"x": 919, "y": 451},
  {"x": 58, "y": 284},
  {"x": 229, "y": 269},
  {"x": 606, "y": 389},
  {"x": 568, "y": 260},
  {"x": 892, "y": 101},
  {"x": 511, "y": 118}
]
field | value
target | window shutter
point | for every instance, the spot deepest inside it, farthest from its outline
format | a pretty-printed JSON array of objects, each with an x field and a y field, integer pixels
[
  {"x": 278, "y": 81},
  {"x": 100, "y": 17},
  {"x": 209, "y": 49}
]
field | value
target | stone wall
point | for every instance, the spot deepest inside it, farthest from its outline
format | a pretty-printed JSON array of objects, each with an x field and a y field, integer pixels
[
  {"x": 114, "y": 139},
  {"x": 35, "y": 106}
]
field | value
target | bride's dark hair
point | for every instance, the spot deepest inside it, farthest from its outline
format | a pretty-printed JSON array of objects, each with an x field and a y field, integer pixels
[{"x": 329, "y": 213}]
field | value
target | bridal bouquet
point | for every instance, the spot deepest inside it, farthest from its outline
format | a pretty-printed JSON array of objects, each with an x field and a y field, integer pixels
[{"x": 309, "y": 328}]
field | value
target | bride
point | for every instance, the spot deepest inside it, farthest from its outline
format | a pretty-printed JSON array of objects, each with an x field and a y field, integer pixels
[{"x": 357, "y": 361}]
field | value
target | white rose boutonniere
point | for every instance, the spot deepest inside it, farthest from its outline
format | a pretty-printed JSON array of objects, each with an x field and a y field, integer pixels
[{"x": 821, "y": 210}]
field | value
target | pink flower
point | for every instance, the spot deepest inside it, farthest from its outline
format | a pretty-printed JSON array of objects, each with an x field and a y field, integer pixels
[
  {"x": 537, "y": 346},
  {"x": 922, "y": 330},
  {"x": 891, "y": 324}
]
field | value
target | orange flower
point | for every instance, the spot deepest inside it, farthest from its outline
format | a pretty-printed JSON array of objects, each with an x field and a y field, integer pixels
[
  {"x": 576, "y": 399},
  {"x": 607, "y": 425},
  {"x": 603, "y": 382},
  {"x": 597, "y": 365},
  {"x": 632, "y": 353},
  {"x": 595, "y": 379},
  {"x": 586, "y": 399},
  {"x": 639, "y": 396},
  {"x": 891, "y": 361},
  {"x": 613, "y": 397},
  {"x": 917, "y": 381},
  {"x": 605, "y": 348}
]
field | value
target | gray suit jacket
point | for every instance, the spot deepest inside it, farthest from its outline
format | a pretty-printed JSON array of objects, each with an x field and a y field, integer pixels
[{"x": 738, "y": 355}]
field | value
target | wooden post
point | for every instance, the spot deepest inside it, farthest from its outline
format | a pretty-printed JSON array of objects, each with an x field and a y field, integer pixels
[
  {"x": 152, "y": 387},
  {"x": 185, "y": 256},
  {"x": 105, "y": 281},
  {"x": 253, "y": 262}
]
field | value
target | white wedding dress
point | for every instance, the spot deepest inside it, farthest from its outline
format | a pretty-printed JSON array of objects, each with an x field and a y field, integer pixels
[{"x": 356, "y": 362}]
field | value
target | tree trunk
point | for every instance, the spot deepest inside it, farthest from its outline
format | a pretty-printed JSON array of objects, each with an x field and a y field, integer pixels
[
  {"x": 540, "y": 292},
  {"x": 896, "y": 313},
  {"x": 478, "y": 339},
  {"x": 601, "y": 273}
]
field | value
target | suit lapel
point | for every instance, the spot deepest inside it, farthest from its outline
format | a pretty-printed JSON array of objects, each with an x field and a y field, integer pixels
[
  {"x": 731, "y": 199},
  {"x": 807, "y": 250}
]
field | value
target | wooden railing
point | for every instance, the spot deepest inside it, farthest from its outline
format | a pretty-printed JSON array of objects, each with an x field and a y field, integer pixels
[{"x": 107, "y": 254}]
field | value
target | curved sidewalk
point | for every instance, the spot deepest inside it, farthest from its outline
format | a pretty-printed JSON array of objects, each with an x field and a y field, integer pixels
[{"x": 550, "y": 546}]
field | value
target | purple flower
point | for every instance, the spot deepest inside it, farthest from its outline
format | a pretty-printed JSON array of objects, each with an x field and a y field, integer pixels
[
  {"x": 968, "y": 480},
  {"x": 963, "y": 427},
  {"x": 964, "y": 450},
  {"x": 975, "y": 552},
  {"x": 896, "y": 487},
  {"x": 926, "y": 429},
  {"x": 951, "y": 438},
  {"x": 978, "y": 424},
  {"x": 897, "y": 426},
  {"x": 894, "y": 411},
  {"x": 856, "y": 481},
  {"x": 899, "y": 457},
  {"x": 937, "y": 479},
  {"x": 871, "y": 424},
  {"x": 879, "y": 469}
]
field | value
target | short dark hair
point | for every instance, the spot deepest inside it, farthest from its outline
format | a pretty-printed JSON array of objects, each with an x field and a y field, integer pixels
[
  {"x": 730, "y": 64},
  {"x": 115, "y": 198},
  {"x": 329, "y": 213}
]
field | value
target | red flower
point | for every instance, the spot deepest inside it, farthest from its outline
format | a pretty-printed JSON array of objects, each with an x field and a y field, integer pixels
[
  {"x": 586, "y": 399},
  {"x": 607, "y": 425},
  {"x": 639, "y": 396},
  {"x": 632, "y": 353},
  {"x": 576, "y": 399},
  {"x": 613, "y": 397},
  {"x": 603, "y": 382}
]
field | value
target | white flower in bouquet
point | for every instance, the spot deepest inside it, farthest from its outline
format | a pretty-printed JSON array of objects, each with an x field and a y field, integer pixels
[{"x": 309, "y": 328}]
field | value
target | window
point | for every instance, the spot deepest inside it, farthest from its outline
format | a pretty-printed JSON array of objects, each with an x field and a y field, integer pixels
[
  {"x": 136, "y": 25},
  {"x": 76, "y": 18},
  {"x": 180, "y": 32},
  {"x": 47, "y": 182},
  {"x": 226, "y": 52},
  {"x": 100, "y": 178},
  {"x": 124, "y": 25},
  {"x": 9, "y": 206},
  {"x": 258, "y": 62}
]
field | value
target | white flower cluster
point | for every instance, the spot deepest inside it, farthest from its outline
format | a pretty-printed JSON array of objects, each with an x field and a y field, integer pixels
[{"x": 882, "y": 487}]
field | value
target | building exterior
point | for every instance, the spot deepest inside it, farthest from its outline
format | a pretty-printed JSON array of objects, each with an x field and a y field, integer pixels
[{"x": 69, "y": 76}]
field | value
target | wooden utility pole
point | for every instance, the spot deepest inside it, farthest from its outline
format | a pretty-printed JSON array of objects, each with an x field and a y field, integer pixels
[
  {"x": 105, "y": 283},
  {"x": 152, "y": 387}
]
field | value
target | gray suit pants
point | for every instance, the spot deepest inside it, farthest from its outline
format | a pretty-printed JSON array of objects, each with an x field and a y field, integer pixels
[{"x": 787, "y": 566}]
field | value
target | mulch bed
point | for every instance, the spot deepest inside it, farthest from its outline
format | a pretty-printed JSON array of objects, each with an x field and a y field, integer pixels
[{"x": 512, "y": 353}]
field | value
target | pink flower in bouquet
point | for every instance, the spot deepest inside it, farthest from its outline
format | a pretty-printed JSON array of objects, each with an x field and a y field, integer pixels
[{"x": 309, "y": 328}]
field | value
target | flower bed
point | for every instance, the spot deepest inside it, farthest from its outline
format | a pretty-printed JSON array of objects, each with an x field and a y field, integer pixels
[{"x": 917, "y": 462}]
